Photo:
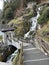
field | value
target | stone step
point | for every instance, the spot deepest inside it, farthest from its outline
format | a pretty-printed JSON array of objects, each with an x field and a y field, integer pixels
[
  {"x": 32, "y": 50},
  {"x": 34, "y": 55},
  {"x": 28, "y": 46},
  {"x": 40, "y": 62}
]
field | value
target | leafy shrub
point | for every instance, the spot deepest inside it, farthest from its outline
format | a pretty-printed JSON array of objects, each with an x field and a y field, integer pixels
[
  {"x": 44, "y": 16},
  {"x": 31, "y": 0},
  {"x": 15, "y": 4},
  {"x": 8, "y": 13},
  {"x": 6, "y": 6}
]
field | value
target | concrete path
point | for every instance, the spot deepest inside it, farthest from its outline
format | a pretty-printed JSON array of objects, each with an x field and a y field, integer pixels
[{"x": 33, "y": 56}]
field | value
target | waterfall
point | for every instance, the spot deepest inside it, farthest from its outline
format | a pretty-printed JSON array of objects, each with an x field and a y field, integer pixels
[{"x": 33, "y": 26}]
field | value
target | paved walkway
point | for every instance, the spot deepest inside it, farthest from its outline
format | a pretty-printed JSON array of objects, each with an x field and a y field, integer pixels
[{"x": 33, "y": 56}]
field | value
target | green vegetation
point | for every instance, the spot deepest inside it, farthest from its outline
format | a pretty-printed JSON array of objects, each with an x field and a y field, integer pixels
[
  {"x": 8, "y": 13},
  {"x": 44, "y": 16},
  {"x": 10, "y": 9},
  {"x": 22, "y": 24},
  {"x": 31, "y": 0},
  {"x": 44, "y": 32},
  {"x": 0, "y": 14},
  {"x": 15, "y": 4}
]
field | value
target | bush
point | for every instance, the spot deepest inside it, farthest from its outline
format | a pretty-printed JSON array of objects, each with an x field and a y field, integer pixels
[
  {"x": 6, "y": 6},
  {"x": 44, "y": 16},
  {"x": 15, "y": 4},
  {"x": 31, "y": 0},
  {"x": 8, "y": 13}
]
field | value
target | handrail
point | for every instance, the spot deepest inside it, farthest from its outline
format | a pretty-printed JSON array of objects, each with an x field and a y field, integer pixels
[{"x": 43, "y": 44}]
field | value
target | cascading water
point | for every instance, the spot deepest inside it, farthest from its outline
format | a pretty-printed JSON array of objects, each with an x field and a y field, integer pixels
[{"x": 34, "y": 24}]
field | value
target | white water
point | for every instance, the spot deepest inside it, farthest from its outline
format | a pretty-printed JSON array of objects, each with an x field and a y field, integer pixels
[
  {"x": 9, "y": 59},
  {"x": 17, "y": 44},
  {"x": 34, "y": 24}
]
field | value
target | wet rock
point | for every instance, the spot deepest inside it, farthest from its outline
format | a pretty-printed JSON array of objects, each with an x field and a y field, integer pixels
[{"x": 8, "y": 50}]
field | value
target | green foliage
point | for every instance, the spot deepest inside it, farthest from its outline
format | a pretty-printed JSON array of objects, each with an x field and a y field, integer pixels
[
  {"x": 8, "y": 13},
  {"x": 22, "y": 26},
  {"x": 6, "y": 6},
  {"x": 44, "y": 16},
  {"x": 10, "y": 9},
  {"x": 11, "y": 6},
  {"x": 15, "y": 4},
  {"x": 26, "y": 26},
  {"x": 31, "y": 0},
  {"x": 0, "y": 15}
]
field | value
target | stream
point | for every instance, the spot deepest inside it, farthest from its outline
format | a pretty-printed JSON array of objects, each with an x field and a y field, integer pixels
[{"x": 33, "y": 20}]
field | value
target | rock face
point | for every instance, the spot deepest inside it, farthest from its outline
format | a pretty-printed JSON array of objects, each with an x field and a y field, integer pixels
[{"x": 7, "y": 50}]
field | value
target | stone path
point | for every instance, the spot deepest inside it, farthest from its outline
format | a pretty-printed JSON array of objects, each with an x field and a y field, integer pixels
[{"x": 33, "y": 56}]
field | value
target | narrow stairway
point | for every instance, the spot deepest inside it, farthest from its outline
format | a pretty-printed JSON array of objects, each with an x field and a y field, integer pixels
[{"x": 33, "y": 56}]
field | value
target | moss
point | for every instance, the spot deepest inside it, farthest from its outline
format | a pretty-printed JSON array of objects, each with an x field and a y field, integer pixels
[
  {"x": 15, "y": 21},
  {"x": 19, "y": 31}
]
